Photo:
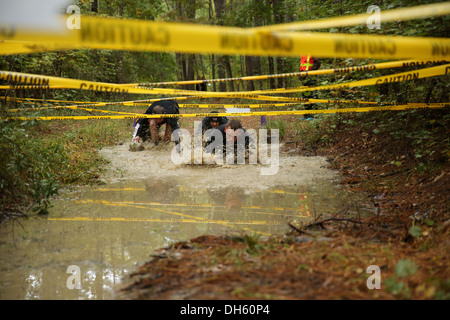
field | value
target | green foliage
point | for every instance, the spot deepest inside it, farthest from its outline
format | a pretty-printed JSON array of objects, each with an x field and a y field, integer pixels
[
  {"x": 398, "y": 288},
  {"x": 23, "y": 175},
  {"x": 318, "y": 131},
  {"x": 33, "y": 165},
  {"x": 277, "y": 124},
  {"x": 415, "y": 231},
  {"x": 253, "y": 244},
  {"x": 403, "y": 269}
]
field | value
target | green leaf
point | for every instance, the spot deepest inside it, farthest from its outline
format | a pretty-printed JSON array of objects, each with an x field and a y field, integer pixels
[
  {"x": 393, "y": 286},
  {"x": 415, "y": 231},
  {"x": 398, "y": 288},
  {"x": 396, "y": 163},
  {"x": 405, "y": 268},
  {"x": 429, "y": 222}
]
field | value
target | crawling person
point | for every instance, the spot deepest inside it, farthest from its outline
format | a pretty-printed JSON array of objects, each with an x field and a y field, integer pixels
[
  {"x": 235, "y": 129},
  {"x": 212, "y": 122},
  {"x": 147, "y": 129}
]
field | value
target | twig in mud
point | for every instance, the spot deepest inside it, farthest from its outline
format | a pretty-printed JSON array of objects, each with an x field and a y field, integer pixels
[
  {"x": 321, "y": 223},
  {"x": 393, "y": 173},
  {"x": 12, "y": 230},
  {"x": 298, "y": 230}
]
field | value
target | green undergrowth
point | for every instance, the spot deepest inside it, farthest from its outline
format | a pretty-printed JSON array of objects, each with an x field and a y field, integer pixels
[{"x": 37, "y": 158}]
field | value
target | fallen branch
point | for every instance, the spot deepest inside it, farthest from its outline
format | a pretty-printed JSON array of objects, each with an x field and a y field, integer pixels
[
  {"x": 320, "y": 223},
  {"x": 298, "y": 230},
  {"x": 393, "y": 173}
]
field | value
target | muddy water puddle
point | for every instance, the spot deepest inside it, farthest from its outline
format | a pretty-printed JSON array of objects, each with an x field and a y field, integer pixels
[{"x": 106, "y": 231}]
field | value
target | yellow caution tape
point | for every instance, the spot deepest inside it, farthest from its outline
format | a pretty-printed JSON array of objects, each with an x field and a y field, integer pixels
[
  {"x": 190, "y": 218},
  {"x": 44, "y": 100},
  {"x": 398, "y": 77},
  {"x": 136, "y": 103},
  {"x": 402, "y": 14},
  {"x": 248, "y": 95},
  {"x": 99, "y": 110},
  {"x": 68, "y": 107},
  {"x": 28, "y": 87},
  {"x": 44, "y": 81},
  {"x": 121, "y": 103},
  {"x": 138, "y": 35},
  {"x": 237, "y": 105},
  {"x": 243, "y": 114},
  {"x": 184, "y": 189},
  {"x": 132, "y": 203},
  {"x": 367, "y": 67},
  {"x": 119, "y": 189},
  {"x": 25, "y": 47},
  {"x": 203, "y": 106},
  {"x": 230, "y": 224},
  {"x": 418, "y": 12},
  {"x": 207, "y": 221}
]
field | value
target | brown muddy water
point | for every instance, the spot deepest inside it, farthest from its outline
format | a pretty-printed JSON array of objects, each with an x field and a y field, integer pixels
[{"x": 147, "y": 203}]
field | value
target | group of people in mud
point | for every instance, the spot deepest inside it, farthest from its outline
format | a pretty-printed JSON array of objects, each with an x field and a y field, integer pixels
[{"x": 147, "y": 129}]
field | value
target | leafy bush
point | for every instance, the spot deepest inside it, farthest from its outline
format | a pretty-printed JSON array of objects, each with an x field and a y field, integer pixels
[
  {"x": 24, "y": 177},
  {"x": 34, "y": 162},
  {"x": 277, "y": 124}
]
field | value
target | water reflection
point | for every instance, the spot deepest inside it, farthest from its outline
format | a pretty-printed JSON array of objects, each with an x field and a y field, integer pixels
[{"x": 108, "y": 231}]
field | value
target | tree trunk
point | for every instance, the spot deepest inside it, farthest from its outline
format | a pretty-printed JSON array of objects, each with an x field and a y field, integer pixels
[
  {"x": 221, "y": 61},
  {"x": 213, "y": 70},
  {"x": 190, "y": 70},
  {"x": 252, "y": 68},
  {"x": 229, "y": 71},
  {"x": 221, "y": 72},
  {"x": 277, "y": 6},
  {"x": 271, "y": 71},
  {"x": 94, "y": 6}
]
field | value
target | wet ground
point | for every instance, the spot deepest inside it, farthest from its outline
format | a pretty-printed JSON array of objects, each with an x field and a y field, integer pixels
[{"x": 148, "y": 203}]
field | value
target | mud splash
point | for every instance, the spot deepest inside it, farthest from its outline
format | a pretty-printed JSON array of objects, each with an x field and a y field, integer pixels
[{"x": 155, "y": 162}]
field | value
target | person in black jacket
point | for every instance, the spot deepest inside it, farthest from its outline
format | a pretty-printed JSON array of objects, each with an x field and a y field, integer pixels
[
  {"x": 213, "y": 122},
  {"x": 146, "y": 128},
  {"x": 236, "y": 129}
]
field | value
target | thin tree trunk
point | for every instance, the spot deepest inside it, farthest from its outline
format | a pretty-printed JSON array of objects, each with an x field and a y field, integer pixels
[
  {"x": 221, "y": 64},
  {"x": 94, "y": 6},
  {"x": 277, "y": 6},
  {"x": 271, "y": 71},
  {"x": 213, "y": 70},
  {"x": 229, "y": 71}
]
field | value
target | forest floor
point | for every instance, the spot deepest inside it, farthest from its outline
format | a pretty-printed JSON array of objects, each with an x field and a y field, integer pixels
[{"x": 407, "y": 238}]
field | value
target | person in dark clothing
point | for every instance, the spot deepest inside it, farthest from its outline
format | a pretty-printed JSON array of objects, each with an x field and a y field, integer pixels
[
  {"x": 236, "y": 130},
  {"x": 146, "y": 128},
  {"x": 201, "y": 86},
  {"x": 213, "y": 122}
]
